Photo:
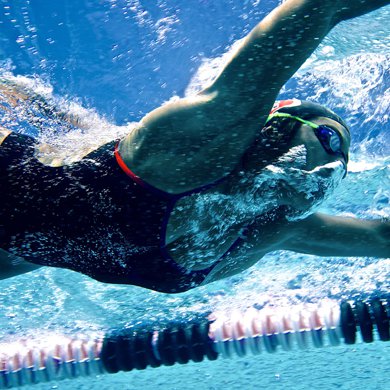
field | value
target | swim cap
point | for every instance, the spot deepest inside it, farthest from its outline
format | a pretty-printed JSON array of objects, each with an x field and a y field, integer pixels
[{"x": 305, "y": 110}]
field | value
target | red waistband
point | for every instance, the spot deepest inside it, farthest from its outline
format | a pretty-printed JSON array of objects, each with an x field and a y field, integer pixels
[
  {"x": 157, "y": 191},
  {"x": 125, "y": 168}
]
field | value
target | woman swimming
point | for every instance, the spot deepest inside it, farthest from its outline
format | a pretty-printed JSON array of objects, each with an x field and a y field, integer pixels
[{"x": 204, "y": 186}]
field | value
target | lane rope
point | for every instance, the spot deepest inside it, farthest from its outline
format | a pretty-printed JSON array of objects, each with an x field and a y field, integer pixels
[{"x": 210, "y": 336}]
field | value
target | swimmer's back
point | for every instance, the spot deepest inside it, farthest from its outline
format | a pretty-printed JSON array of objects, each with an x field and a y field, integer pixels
[{"x": 88, "y": 217}]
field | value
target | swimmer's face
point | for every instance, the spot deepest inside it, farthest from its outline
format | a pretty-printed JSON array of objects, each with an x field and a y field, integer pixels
[
  {"x": 307, "y": 174},
  {"x": 318, "y": 163},
  {"x": 316, "y": 154}
]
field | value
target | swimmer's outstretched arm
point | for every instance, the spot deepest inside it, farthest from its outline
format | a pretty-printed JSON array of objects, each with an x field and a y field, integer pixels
[
  {"x": 326, "y": 235},
  {"x": 319, "y": 234}
]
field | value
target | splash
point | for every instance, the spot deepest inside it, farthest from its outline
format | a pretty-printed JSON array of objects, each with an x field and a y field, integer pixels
[
  {"x": 66, "y": 130},
  {"x": 286, "y": 181},
  {"x": 330, "y": 81}
]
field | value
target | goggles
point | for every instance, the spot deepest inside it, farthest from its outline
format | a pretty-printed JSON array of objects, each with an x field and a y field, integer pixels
[{"x": 329, "y": 138}]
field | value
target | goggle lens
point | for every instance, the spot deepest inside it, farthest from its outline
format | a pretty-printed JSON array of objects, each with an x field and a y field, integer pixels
[{"x": 329, "y": 138}]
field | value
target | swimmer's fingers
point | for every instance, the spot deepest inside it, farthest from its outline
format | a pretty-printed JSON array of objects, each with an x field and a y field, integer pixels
[{"x": 349, "y": 9}]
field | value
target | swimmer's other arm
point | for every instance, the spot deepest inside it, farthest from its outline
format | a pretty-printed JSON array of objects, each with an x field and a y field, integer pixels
[
  {"x": 319, "y": 234},
  {"x": 325, "y": 235}
]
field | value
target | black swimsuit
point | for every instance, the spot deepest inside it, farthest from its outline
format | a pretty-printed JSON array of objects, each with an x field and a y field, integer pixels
[{"x": 89, "y": 217}]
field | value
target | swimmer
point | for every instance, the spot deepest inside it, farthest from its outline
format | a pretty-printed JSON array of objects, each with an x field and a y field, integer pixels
[{"x": 204, "y": 186}]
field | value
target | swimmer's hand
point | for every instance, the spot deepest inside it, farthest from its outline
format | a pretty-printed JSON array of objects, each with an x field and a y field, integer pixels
[{"x": 349, "y": 9}]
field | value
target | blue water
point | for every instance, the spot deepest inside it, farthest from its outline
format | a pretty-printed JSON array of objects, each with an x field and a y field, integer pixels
[{"x": 115, "y": 60}]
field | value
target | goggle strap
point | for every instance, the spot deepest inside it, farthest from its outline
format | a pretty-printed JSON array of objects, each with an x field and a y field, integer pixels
[
  {"x": 308, "y": 123},
  {"x": 297, "y": 118}
]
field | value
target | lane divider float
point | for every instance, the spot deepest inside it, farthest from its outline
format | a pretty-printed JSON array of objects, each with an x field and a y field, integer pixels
[{"x": 210, "y": 336}]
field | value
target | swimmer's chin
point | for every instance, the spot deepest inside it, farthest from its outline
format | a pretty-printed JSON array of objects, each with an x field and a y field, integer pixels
[
  {"x": 329, "y": 169},
  {"x": 325, "y": 179}
]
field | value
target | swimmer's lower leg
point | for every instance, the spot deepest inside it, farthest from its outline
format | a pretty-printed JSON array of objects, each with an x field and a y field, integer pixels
[{"x": 16, "y": 94}]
